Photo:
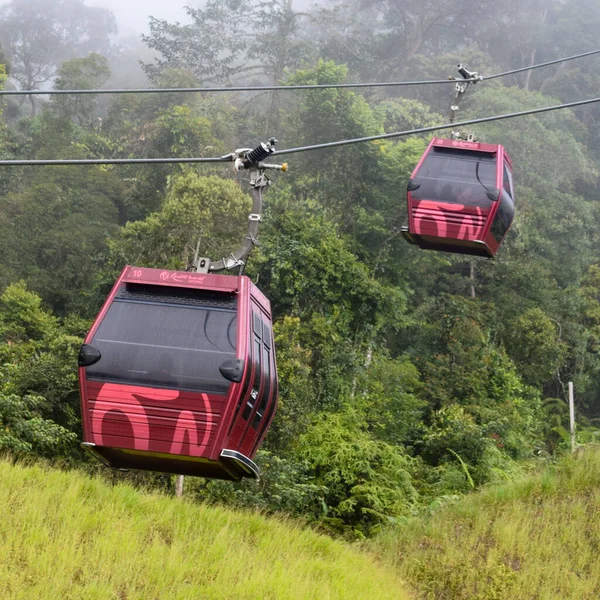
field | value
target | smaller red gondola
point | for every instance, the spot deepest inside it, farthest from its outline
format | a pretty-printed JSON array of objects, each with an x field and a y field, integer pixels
[
  {"x": 460, "y": 198},
  {"x": 178, "y": 374}
]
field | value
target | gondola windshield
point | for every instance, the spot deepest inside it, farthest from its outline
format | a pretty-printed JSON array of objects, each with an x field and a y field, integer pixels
[
  {"x": 165, "y": 345},
  {"x": 456, "y": 177}
]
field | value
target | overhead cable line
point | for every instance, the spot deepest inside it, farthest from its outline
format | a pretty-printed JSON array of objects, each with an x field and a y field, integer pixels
[
  {"x": 284, "y": 88},
  {"x": 244, "y": 88},
  {"x": 109, "y": 161},
  {"x": 385, "y": 136},
  {"x": 546, "y": 64},
  {"x": 228, "y": 158}
]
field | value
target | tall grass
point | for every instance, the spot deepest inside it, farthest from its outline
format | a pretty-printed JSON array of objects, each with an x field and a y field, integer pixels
[
  {"x": 538, "y": 538},
  {"x": 66, "y": 536}
]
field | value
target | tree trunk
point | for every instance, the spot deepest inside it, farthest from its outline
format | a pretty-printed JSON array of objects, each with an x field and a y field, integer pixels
[
  {"x": 532, "y": 56},
  {"x": 529, "y": 73}
]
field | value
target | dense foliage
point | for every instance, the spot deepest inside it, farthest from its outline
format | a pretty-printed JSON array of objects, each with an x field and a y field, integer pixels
[{"x": 405, "y": 376}]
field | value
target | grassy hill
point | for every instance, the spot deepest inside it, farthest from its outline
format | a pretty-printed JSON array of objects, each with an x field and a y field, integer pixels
[
  {"x": 538, "y": 538},
  {"x": 66, "y": 536}
]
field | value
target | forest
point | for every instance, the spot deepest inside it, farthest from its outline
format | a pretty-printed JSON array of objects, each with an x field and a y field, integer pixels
[{"x": 406, "y": 377}]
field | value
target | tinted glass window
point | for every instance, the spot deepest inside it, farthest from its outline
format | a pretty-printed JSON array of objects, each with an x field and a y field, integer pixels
[
  {"x": 256, "y": 383},
  {"x": 271, "y": 409},
  {"x": 266, "y": 392},
  {"x": 457, "y": 177},
  {"x": 246, "y": 388},
  {"x": 166, "y": 346},
  {"x": 506, "y": 182},
  {"x": 504, "y": 216}
]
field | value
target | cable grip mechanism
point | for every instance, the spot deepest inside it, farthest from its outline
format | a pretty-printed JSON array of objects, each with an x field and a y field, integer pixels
[
  {"x": 252, "y": 158},
  {"x": 461, "y": 86}
]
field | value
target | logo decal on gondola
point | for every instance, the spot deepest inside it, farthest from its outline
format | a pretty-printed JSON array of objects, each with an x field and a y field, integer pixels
[
  {"x": 461, "y": 144},
  {"x": 181, "y": 277}
]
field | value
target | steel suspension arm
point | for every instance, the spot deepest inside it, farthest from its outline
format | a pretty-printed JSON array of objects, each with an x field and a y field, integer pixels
[
  {"x": 251, "y": 160},
  {"x": 238, "y": 258}
]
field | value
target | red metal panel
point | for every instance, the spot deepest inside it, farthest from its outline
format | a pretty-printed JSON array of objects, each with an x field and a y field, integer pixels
[
  {"x": 220, "y": 283},
  {"x": 411, "y": 202},
  {"x": 236, "y": 429},
  {"x": 449, "y": 221},
  {"x": 261, "y": 300},
  {"x": 87, "y": 424},
  {"x": 251, "y": 434},
  {"x": 271, "y": 408},
  {"x": 153, "y": 420}
]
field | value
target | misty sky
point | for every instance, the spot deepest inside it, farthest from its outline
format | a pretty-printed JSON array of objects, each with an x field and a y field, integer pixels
[{"x": 132, "y": 15}]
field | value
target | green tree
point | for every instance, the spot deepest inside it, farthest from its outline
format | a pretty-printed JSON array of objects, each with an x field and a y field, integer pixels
[
  {"x": 56, "y": 229},
  {"x": 222, "y": 34},
  {"x": 38, "y": 35},
  {"x": 367, "y": 482},
  {"x": 38, "y": 382},
  {"x": 533, "y": 342},
  {"x": 297, "y": 393},
  {"x": 388, "y": 394},
  {"x": 208, "y": 214},
  {"x": 86, "y": 73},
  {"x": 308, "y": 270}
]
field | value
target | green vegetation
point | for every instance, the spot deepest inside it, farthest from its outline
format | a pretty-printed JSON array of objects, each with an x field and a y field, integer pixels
[
  {"x": 66, "y": 536},
  {"x": 536, "y": 537}
]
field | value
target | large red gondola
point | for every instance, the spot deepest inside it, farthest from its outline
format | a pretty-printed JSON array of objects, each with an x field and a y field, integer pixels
[
  {"x": 178, "y": 374},
  {"x": 460, "y": 198}
]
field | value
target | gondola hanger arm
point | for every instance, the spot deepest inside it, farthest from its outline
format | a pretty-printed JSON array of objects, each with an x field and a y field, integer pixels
[
  {"x": 252, "y": 160},
  {"x": 461, "y": 86}
]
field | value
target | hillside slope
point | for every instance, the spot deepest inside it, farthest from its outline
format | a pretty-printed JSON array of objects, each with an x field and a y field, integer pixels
[
  {"x": 66, "y": 536},
  {"x": 538, "y": 538}
]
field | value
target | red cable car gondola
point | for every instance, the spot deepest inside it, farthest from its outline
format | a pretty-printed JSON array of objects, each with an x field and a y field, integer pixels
[
  {"x": 178, "y": 374},
  {"x": 178, "y": 371},
  {"x": 460, "y": 198}
]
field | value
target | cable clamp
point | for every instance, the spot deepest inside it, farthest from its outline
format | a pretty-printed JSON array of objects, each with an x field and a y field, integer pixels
[
  {"x": 232, "y": 262},
  {"x": 473, "y": 76},
  {"x": 253, "y": 240},
  {"x": 254, "y": 217},
  {"x": 202, "y": 265},
  {"x": 258, "y": 179}
]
